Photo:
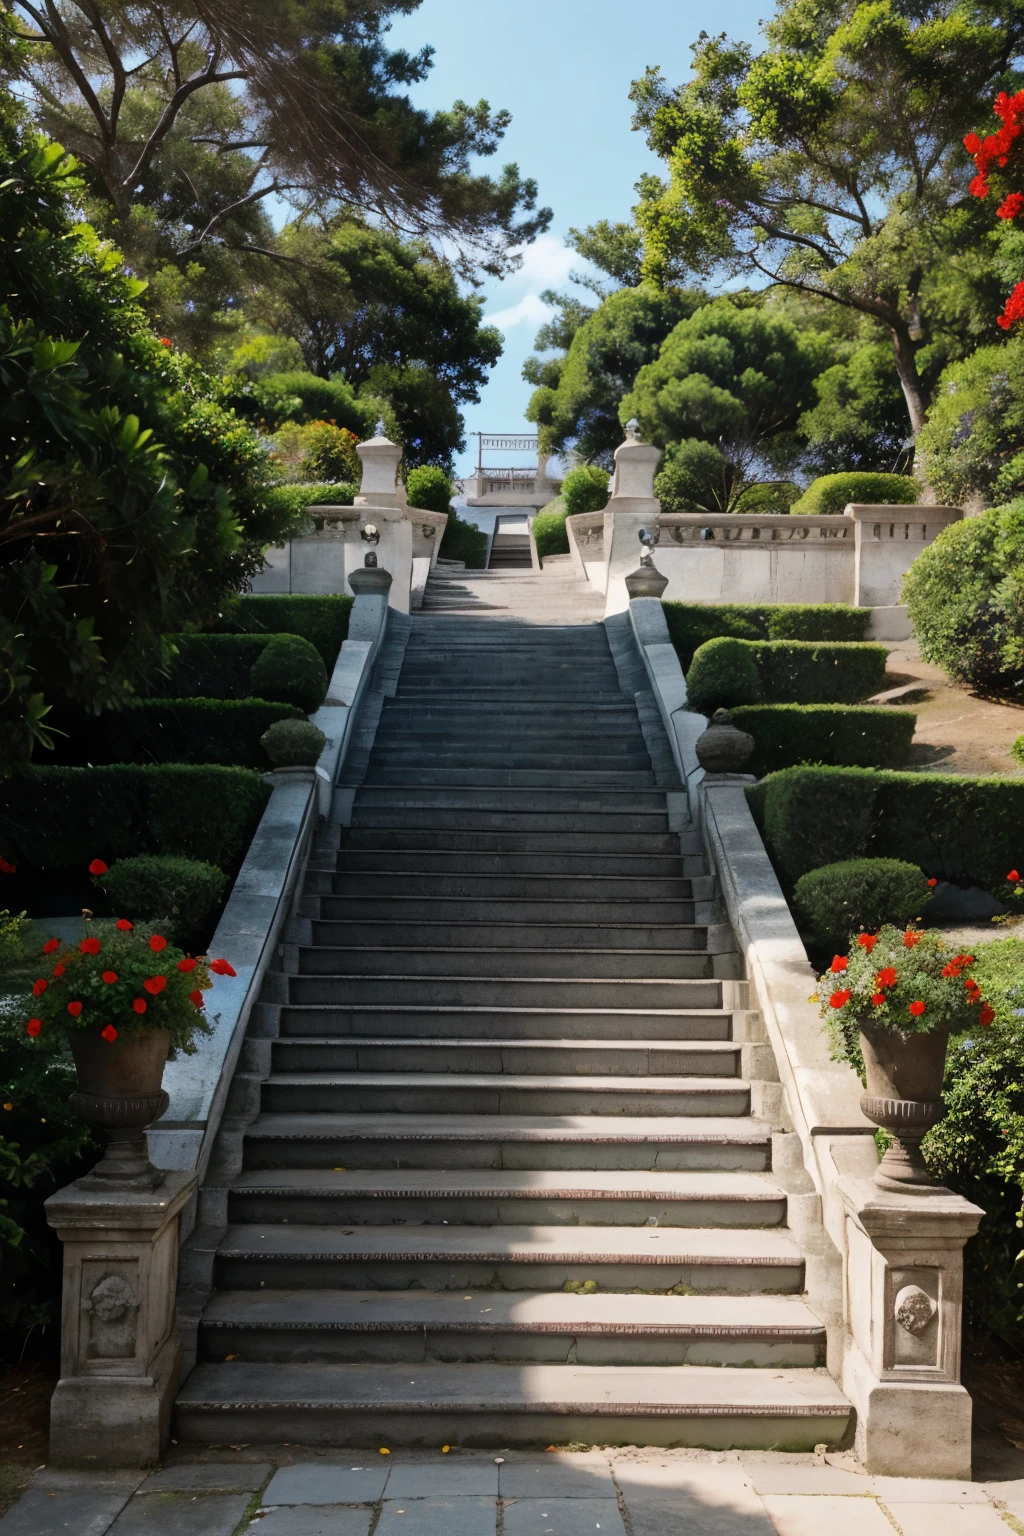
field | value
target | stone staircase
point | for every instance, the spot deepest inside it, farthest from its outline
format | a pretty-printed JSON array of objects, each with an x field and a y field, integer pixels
[{"x": 502, "y": 1138}]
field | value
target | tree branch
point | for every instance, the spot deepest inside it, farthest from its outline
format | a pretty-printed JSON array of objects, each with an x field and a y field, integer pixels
[
  {"x": 51, "y": 25},
  {"x": 170, "y": 112},
  {"x": 222, "y": 213}
]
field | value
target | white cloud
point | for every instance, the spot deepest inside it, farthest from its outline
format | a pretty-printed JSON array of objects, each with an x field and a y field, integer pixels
[
  {"x": 529, "y": 311},
  {"x": 546, "y": 264}
]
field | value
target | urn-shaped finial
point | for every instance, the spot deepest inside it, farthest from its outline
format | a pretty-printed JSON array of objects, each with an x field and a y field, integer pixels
[{"x": 723, "y": 747}]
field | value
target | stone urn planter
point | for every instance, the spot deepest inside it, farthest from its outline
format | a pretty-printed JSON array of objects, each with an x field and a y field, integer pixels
[
  {"x": 903, "y": 1078},
  {"x": 119, "y": 1090},
  {"x": 723, "y": 747}
]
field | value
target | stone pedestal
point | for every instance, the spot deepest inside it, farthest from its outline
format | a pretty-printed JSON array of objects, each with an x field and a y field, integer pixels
[
  {"x": 888, "y": 541},
  {"x": 120, "y": 1353},
  {"x": 632, "y": 506}
]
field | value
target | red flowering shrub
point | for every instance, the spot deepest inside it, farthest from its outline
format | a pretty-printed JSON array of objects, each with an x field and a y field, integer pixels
[{"x": 993, "y": 154}]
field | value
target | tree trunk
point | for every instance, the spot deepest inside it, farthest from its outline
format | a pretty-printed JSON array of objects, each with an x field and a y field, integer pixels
[{"x": 917, "y": 398}]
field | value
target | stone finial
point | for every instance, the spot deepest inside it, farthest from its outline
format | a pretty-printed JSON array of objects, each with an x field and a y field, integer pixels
[
  {"x": 380, "y": 458},
  {"x": 723, "y": 747},
  {"x": 635, "y": 466},
  {"x": 632, "y": 430}
]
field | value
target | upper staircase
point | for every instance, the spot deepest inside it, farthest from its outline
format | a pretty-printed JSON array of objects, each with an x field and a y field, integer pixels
[{"x": 503, "y": 1139}]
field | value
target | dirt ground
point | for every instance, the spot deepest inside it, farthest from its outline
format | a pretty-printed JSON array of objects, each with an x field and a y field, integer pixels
[
  {"x": 958, "y": 731},
  {"x": 25, "y": 1392}
]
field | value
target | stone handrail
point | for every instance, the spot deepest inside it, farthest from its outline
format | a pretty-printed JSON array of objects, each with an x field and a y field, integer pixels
[{"x": 749, "y": 528}]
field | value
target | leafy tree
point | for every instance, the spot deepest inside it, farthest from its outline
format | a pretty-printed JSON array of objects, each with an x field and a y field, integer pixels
[
  {"x": 832, "y": 163},
  {"x": 726, "y": 391},
  {"x": 132, "y": 501},
  {"x": 860, "y": 419},
  {"x": 273, "y": 97},
  {"x": 974, "y": 437}
]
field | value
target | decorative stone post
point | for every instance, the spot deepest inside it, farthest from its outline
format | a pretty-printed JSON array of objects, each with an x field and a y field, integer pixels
[
  {"x": 887, "y": 542},
  {"x": 120, "y": 1351},
  {"x": 382, "y": 504},
  {"x": 632, "y": 506}
]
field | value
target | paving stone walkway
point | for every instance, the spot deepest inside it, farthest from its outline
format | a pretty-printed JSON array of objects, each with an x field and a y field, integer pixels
[{"x": 292, "y": 1491}]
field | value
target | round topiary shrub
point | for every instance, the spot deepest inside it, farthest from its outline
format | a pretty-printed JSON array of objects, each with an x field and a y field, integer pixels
[
  {"x": 549, "y": 533},
  {"x": 965, "y": 598},
  {"x": 723, "y": 672},
  {"x": 829, "y": 494},
  {"x": 585, "y": 489},
  {"x": 180, "y": 894},
  {"x": 430, "y": 488},
  {"x": 290, "y": 671},
  {"x": 293, "y": 743},
  {"x": 839, "y": 899}
]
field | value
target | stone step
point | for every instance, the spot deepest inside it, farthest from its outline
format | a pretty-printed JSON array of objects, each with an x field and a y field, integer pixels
[
  {"x": 469, "y": 776},
  {"x": 553, "y": 841},
  {"x": 500, "y": 738},
  {"x": 438, "y": 1197},
  {"x": 554, "y": 755},
  {"x": 543, "y": 1056},
  {"x": 495, "y": 798},
  {"x": 328, "y": 1020},
  {"x": 482, "y": 819},
  {"x": 397, "y": 1093},
  {"x": 619, "y": 965},
  {"x": 505, "y": 909},
  {"x": 511, "y": 1405},
  {"x": 511, "y": 936},
  {"x": 457, "y": 862},
  {"x": 535, "y": 713},
  {"x": 581, "y": 889},
  {"x": 723, "y": 1260},
  {"x": 353, "y": 1327},
  {"x": 505, "y": 1142},
  {"x": 499, "y": 991}
]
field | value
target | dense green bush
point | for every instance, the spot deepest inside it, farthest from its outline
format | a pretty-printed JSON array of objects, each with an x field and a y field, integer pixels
[
  {"x": 210, "y": 666},
  {"x": 830, "y": 494},
  {"x": 690, "y": 624},
  {"x": 180, "y": 894},
  {"x": 224, "y": 731},
  {"x": 972, "y": 440},
  {"x": 965, "y": 597},
  {"x": 294, "y": 499},
  {"x": 291, "y": 669},
  {"x": 955, "y": 828},
  {"x": 69, "y": 816},
  {"x": 464, "y": 541},
  {"x": 298, "y": 396},
  {"x": 293, "y": 743},
  {"x": 725, "y": 672},
  {"x": 549, "y": 531},
  {"x": 785, "y": 734},
  {"x": 322, "y": 620},
  {"x": 585, "y": 489},
  {"x": 430, "y": 488},
  {"x": 839, "y": 899},
  {"x": 1017, "y": 750}
]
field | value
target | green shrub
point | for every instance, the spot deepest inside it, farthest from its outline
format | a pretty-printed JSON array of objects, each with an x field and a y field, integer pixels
[
  {"x": 839, "y": 899},
  {"x": 211, "y": 666},
  {"x": 830, "y": 494},
  {"x": 291, "y": 669},
  {"x": 727, "y": 672},
  {"x": 690, "y": 624},
  {"x": 293, "y": 743},
  {"x": 224, "y": 731},
  {"x": 549, "y": 530},
  {"x": 68, "y": 816},
  {"x": 322, "y": 620},
  {"x": 179, "y": 894},
  {"x": 955, "y": 828},
  {"x": 430, "y": 488},
  {"x": 965, "y": 597},
  {"x": 464, "y": 541},
  {"x": 585, "y": 489},
  {"x": 972, "y": 440},
  {"x": 1017, "y": 750},
  {"x": 785, "y": 734},
  {"x": 294, "y": 499}
]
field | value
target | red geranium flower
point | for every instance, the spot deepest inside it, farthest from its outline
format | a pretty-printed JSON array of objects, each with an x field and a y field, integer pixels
[
  {"x": 222, "y": 968},
  {"x": 140, "y": 1005},
  {"x": 840, "y": 999},
  {"x": 90, "y": 946},
  {"x": 197, "y": 998},
  {"x": 59, "y": 970},
  {"x": 7, "y": 868},
  {"x": 97, "y": 867},
  {"x": 34, "y": 1027},
  {"x": 933, "y": 882},
  {"x": 157, "y": 942},
  {"x": 110, "y": 977},
  {"x": 50, "y": 946},
  {"x": 878, "y": 998},
  {"x": 1013, "y": 875},
  {"x": 187, "y": 965},
  {"x": 917, "y": 1008},
  {"x": 124, "y": 925},
  {"x": 971, "y": 985},
  {"x": 39, "y": 987},
  {"x": 886, "y": 976},
  {"x": 74, "y": 1008},
  {"x": 109, "y": 1033},
  {"x": 839, "y": 963},
  {"x": 910, "y": 938},
  {"x": 867, "y": 941},
  {"x": 154, "y": 985},
  {"x": 165, "y": 341},
  {"x": 986, "y": 1016},
  {"x": 1011, "y": 206}
]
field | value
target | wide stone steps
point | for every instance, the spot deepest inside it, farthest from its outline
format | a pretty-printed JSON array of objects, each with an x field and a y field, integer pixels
[
  {"x": 485, "y": 797},
  {"x": 467, "y": 991},
  {"x": 514, "y": 936},
  {"x": 495, "y": 909},
  {"x": 491, "y": 816},
  {"x": 355, "y": 1327},
  {"x": 576, "y": 1057},
  {"x": 582, "y": 889},
  {"x": 441, "y": 861},
  {"x": 328, "y": 1020},
  {"x": 539, "y": 1142},
  {"x": 575, "y": 776},
  {"x": 319, "y": 960},
  {"x": 553, "y": 842}
]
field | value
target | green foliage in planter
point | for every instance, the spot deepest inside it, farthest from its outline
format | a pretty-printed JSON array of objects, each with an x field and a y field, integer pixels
[
  {"x": 785, "y": 734},
  {"x": 123, "y": 979},
  {"x": 291, "y": 669},
  {"x": 829, "y": 494},
  {"x": 293, "y": 743},
  {"x": 965, "y": 597},
  {"x": 463, "y": 541},
  {"x": 549, "y": 531},
  {"x": 955, "y": 828},
  {"x": 292, "y": 500},
  {"x": 178, "y": 894},
  {"x": 691, "y": 624},
  {"x": 226, "y": 731},
  {"x": 430, "y": 488},
  {"x": 65, "y": 816},
  {"x": 978, "y": 1148},
  {"x": 322, "y": 620},
  {"x": 839, "y": 899},
  {"x": 585, "y": 489},
  {"x": 728, "y": 672}
]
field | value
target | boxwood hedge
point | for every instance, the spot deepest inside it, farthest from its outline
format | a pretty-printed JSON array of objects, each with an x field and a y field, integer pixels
[
  {"x": 322, "y": 620},
  {"x": 690, "y": 624},
  {"x": 727, "y": 672},
  {"x": 785, "y": 734},
  {"x": 223, "y": 731}
]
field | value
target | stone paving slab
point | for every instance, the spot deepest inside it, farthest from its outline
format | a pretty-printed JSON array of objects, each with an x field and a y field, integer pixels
[
  {"x": 438, "y": 1517},
  {"x": 947, "y": 1519},
  {"x": 361, "y": 1482},
  {"x": 207, "y": 1477},
  {"x": 828, "y": 1515},
  {"x": 181, "y": 1514},
  {"x": 582, "y": 1477},
  {"x": 312, "y": 1520},
  {"x": 562, "y": 1517},
  {"x": 83, "y": 1512},
  {"x": 449, "y": 1479},
  {"x": 710, "y": 1500}
]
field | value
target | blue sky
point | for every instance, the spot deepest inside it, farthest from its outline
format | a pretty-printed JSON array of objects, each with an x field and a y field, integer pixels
[{"x": 563, "y": 69}]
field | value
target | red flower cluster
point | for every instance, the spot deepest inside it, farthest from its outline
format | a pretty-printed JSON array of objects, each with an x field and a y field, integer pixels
[
  {"x": 109, "y": 1033},
  {"x": 51, "y": 946},
  {"x": 90, "y": 946},
  {"x": 1013, "y": 309},
  {"x": 867, "y": 941},
  {"x": 910, "y": 938},
  {"x": 839, "y": 963},
  {"x": 97, "y": 867},
  {"x": 994, "y": 149},
  {"x": 841, "y": 998},
  {"x": 7, "y": 868},
  {"x": 886, "y": 977}
]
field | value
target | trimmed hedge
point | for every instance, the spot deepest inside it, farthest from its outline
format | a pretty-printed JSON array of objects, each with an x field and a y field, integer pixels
[
  {"x": 549, "y": 530},
  {"x": 954, "y": 828},
  {"x": 230, "y": 667},
  {"x": 291, "y": 669},
  {"x": 294, "y": 499},
  {"x": 225, "y": 731},
  {"x": 829, "y": 494},
  {"x": 322, "y": 620},
  {"x": 838, "y": 899},
  {"x": 68, "y": 816},
  {"x": 180, "y": 893},
  {"x": 785, "y": 734},
  {"x": 728, "y": 672},
  {"x": 690, "y": 624}
]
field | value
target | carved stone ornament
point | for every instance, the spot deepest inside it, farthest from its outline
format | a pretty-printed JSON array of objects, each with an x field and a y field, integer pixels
[
  {"x": 914, "y": 1309},
  {"x": 723, "y": 748},
  {"x": 111, "y": 1299}
]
